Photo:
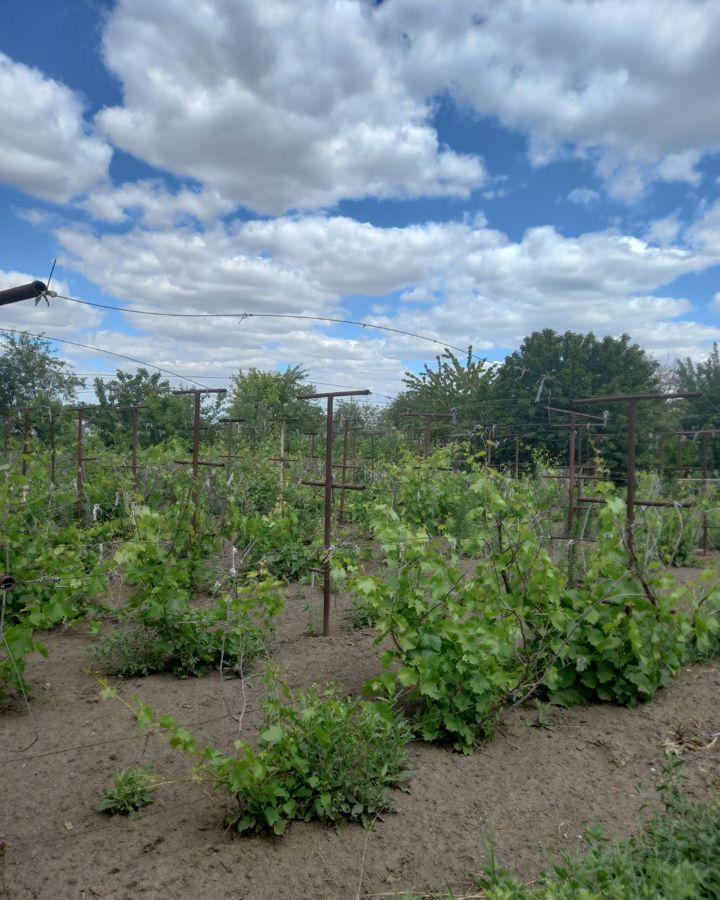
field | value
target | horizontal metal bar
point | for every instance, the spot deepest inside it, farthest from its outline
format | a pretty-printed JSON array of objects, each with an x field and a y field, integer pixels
[
  {"x": 617, "y": 398},
  {"x": 572, "y": 412},
  {"x": 22, "y": 292},
  {"x": 362, "y": 393},
  {"x": 200, "y": 391},
  {"x": 339, "y": 487},
  {"x": 667, "y": 503},
  {"x": 189, "y": 462}
]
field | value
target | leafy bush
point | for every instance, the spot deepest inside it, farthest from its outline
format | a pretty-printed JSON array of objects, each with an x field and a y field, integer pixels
[
  {"x": 162, "y": 631},
  {"x": 621, "y": 635},
  {"x": 131, "y": 790},
  {"x": 321, "y": 757},
  {"x": 675, "y": 857},
  {"x": 280, "y": 543},
  {"x": 454, "y": 659},
  {"x": 612, "y": 627},
  {"x": 190, "y": 640}
]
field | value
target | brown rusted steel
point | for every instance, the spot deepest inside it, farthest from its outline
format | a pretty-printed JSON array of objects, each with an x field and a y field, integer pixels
[
  {"x": 632, "y": 400},
  {"x": 328, "y": 485},
  {"x": 53, "y": 451},
  {"x": 346, "y": 433},
  {"x": 26, "y": 410},
  {"x": 79, "y": 477},
  {"x": 618, "y": 398},
  {"x": 660, "y": 503},
  {"x": 336, "y": 485},
  {"x": 428, "y": 416},
  {"x": 135, "y": 411},
  {"x": 575, "y": 413},
  {"x": 80, "y": 460},
  {"x": 195, "y": 462},
  {"x": 230, "y": 444}
]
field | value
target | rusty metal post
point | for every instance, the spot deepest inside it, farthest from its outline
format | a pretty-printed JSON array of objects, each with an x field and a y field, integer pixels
[
  {"x": 428, "y": 416},
  {"x": 230, "y": 445},
  {"x": 195, "y": 462},
  {"x": 706, "y": 530},
  {"x": 346, "y": 430},
  {"x": 79, "y": 480},
  {"x": 632, "y": 401},
  {"x": 631, "y": 473},
  {"x": 134, "y": 447},
  {"x": 579, "y": 448},
  {"x": 329, "y": 486},
  {"x": 488, "y": 452},
  {"x": 26, "y": 439},
  {"x": 53, "y": 451},
  {"x": 327, "y": 534},
  {"x": 662, "y": 455},
  {"x": 281, "y": 498},
  {"x": 571, "y": 477}
]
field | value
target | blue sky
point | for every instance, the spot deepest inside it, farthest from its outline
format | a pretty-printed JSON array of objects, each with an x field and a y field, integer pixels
[{"x": 472, "y": 172}]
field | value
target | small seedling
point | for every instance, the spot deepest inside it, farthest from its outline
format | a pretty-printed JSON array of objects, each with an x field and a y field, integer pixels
[
  {"x": 131, "y": 789},
  {"x": 312, "y": 624},
  {"x": 544, "y": 712}
]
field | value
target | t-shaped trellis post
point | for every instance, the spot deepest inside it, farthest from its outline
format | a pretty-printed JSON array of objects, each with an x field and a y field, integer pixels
[
  {"x": 329, "y": 486},
  {"x": 429, "y": 416},
  {"x": 196, "y": 462},
  {"x": 572, "y": 426},
  {"x": 632, "y": 400}
]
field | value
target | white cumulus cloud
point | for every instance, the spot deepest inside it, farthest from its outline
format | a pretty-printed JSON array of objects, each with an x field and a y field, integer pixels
[{"x": 46, "y": 148}]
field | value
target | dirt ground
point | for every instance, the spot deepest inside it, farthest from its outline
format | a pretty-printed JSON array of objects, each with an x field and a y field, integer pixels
[{"x": 533, "y": 789}]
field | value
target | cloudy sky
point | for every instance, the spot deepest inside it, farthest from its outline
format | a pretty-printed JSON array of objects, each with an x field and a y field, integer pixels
[{"x": 469, "y": 170}]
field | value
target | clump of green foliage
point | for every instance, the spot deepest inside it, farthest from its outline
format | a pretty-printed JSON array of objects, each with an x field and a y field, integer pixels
[
  {"x": 611, "y": 627},
  {"x": 131, "y": 790},
  {"x": 283, "y": 544},
  {"x": 676, "y": 856},
  {"x": 161, "y": 630},
  {"x": 319, "y": 757}
]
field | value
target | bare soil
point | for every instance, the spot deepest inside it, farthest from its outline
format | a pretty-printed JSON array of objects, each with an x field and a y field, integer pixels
[{"x": 532, "y": 789}]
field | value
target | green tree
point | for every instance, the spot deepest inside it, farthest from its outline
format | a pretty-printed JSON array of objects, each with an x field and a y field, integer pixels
[
  {"x": 30, "y": 375},
  {"x": 162, "y": 416},
  {"x": 552, "y": 369},
  {"x": 261, "y": 398},
  {"x": 460, "y": 387},
  {"x": 704, "y": 412}
]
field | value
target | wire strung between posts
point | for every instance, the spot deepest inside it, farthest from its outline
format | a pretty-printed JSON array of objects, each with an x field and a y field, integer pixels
[
  {"x": 246, "y": 315},
  {"x": 101, "y": 350}
]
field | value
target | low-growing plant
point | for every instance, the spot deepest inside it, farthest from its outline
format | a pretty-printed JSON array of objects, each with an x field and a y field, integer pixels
[
  {"x": 674, "y": 857},
  {"x": 192, "y": 640},
  {"x": 453, "y": 659},
  {"x": 320, "y": 756},
  {"x": 131, "y": 790}
]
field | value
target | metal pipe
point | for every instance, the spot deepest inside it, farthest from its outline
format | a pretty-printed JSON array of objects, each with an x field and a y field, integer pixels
[
  {"x": 328, "y": 515},
  {"x": 571, "y": 479},
  {"x": 24, "y": 292},
  {"x": 631, "y": 464},
  {"x": 614, "y": 398},
  {"x": 134, "y": 447},
  {"x": 26, "y": 440},
  {"x": 53, "y": 451},
  {"x": 79, "y": 486}
]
